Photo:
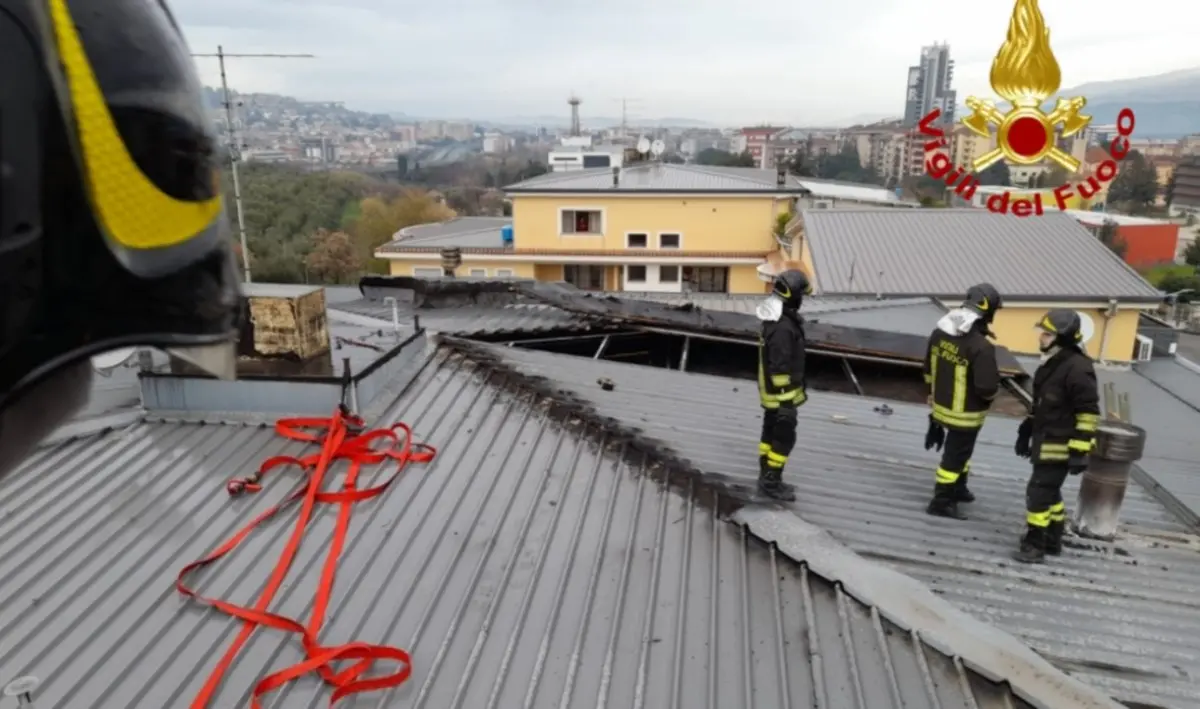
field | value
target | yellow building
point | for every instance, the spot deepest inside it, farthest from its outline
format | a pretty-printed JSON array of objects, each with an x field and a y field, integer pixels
[
  {"x": 1037, "y": 263},
  {"x": 650, "y": 227}
]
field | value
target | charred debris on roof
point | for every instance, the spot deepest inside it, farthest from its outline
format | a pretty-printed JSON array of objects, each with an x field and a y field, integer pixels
[{"x": 842, "y": 359}]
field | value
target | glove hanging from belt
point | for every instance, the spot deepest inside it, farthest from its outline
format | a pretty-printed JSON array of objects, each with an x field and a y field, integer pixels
[{"x": 935, "y": 435}]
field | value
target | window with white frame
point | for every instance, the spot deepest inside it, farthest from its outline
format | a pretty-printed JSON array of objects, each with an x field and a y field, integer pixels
[
  {"x": 635, "y": 274},
  {"x": 637, "y": 240},
  {"x": 582, "y": 221},
  {"x": 478, "y": 273},
  {"x": 504, "y": 273},
  {"x": 669, "y": 240},
  {"x": 420, "y": 272},
  {"x": 668, "y": 274}
]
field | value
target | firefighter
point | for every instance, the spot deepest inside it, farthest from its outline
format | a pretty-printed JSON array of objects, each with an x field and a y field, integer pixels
[
  {"x": 1059, "y": 433},
  {"x": 961, "y": 370},
  {"x": 112, "y": 231},
  {"x": 781, "y": 383}
]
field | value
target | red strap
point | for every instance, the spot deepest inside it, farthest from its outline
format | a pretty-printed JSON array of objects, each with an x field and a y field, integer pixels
[{"x": 341, "y": 439}]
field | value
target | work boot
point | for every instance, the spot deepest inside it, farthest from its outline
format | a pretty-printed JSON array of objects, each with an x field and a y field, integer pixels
[
  {"x": 1054, "y": 536},
  {"x": 771, "y": 484},
  {"x": 961, "y": 493},
  {"x": 945, "y": 502},
  {"x": 1033, "y": 546}
]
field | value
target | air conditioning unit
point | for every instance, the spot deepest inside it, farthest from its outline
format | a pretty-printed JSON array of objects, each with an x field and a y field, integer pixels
[
  {"x": 1144, "y": 350},
  {"x": 823, "y": 204}
]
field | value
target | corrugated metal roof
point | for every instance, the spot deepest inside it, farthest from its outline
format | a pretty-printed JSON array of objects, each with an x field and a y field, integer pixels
[
  {"x": 893, "y": 252},
  {"x": 463, "y": 232},
  {"x": 830, "y": 189},
  {"x": 907, "y": 315},
  {"x": 659, "y": 177},
  {"x": 527, "y": 565},
  {"x": 471, "y": 319},
  {"x": 1121, "y": 617}
]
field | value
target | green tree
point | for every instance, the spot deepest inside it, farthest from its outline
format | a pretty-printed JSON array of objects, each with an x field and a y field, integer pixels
[
  {"x": 1169, "y": 190},
  {"x": 1054, "y": 177},
  {"x": 1191, "y": 254},
  {"x": 996, "y": 174},
  {"x": 722, "y": 158},
  {"x": 1176, "y": 283},
  {"x": 1107, "y": 234},
  {"x": 673, "y": 159},
  {"x": 333, "y": 257},
  {"x": 1135, "y": 188},
  {"x": 381, "y": 218},
  {"x": 799, "y": 165}
]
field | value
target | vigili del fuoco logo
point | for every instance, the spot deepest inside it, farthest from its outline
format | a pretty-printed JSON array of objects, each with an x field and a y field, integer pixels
[{"x": 1025, "y": 74}]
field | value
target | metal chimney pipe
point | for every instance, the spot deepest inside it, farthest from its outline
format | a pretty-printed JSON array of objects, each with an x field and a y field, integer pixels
[
  {"x": 395, "y": 312},
  {"x": 1102, "y": 490},
  {"x": 616, "y": 176}
]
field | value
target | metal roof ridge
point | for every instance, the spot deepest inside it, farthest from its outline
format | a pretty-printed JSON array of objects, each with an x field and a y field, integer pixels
[
  {"x": 911, "y": 605},
  {"x": 985, "y": 649}
]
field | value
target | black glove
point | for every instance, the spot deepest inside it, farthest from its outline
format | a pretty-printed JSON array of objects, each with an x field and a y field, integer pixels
[
  {"x": 1024, "y": 436},
  {"x": 1077, "y": 463},
  {"x": 935, "y": 436}
]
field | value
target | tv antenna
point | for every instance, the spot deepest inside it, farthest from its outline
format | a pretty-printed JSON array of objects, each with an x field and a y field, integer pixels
[
  {"x": 657, "y": 148},
  {"x": 107, "y": 362},
  {"x": 235, "y": 150},
  {"x": 643, "y": 145}
]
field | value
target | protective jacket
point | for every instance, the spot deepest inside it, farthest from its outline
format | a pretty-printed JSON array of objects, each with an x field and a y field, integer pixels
[
  {"x": 961, "y": 370},
  {"x": 780, "y": 356},
  {"x": 1066, "y": 406}
]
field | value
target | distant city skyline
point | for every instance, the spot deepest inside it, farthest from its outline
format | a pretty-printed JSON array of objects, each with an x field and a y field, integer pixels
[{"x": 793, "y": 64}]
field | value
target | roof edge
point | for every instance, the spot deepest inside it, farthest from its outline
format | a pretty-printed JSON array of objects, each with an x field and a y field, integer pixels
[
  {"x": 910, "y": 604},
  {"x": 901, "y": 599},
  {"x": 611, "y": 192},
  {"x": 1018, "y": 298}
]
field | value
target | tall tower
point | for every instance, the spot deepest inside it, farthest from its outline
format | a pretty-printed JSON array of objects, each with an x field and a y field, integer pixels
[
  {"x": 929, "y": 85},
  {"x": 574, "y": 102}
]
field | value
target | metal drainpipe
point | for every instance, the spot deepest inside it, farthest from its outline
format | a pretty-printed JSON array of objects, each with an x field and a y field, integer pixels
[
  {"x": 1112, "y": 306},
  {"x": 1102, "y": 490}
]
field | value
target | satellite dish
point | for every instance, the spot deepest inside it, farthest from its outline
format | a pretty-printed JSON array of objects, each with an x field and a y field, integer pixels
[
  {"x": 643, "y": 145},
  {"x": 1087, "y": 326},
  {"x": 658, "y": 148},
  {"x": 105, "y": 363}
]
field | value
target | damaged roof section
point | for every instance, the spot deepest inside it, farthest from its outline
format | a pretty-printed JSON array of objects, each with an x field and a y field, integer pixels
[
  {"x": 686, "y": 318},
  {"x": 538, "y": 560},
  {"x": 1121, "y": 617}
]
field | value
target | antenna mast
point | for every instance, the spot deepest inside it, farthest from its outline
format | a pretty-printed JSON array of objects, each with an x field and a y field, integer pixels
[{"x": 235, "y": 149}]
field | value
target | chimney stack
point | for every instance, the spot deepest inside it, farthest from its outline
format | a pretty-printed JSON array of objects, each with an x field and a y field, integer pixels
[
  {"x": 616, "y": 177},
  {"x": 780, "y": 175}
]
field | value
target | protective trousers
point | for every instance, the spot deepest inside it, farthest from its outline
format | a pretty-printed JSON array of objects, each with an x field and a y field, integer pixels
[
  {"x": 956, "y": 463},
  {"x": 1044, "y": 508},
  {"x": 778, "y": 438}
]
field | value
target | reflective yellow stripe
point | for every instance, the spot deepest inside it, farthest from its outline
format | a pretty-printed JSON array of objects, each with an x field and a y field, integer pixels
[
  {"x": 1058, "y": 512},
  {"x": 132, "y": 209},
  {"x": 1081, "y": 446},
  {"x": 1086, "y": 422},
  {"x": 933, "y": 361},
  {"x": 946, "y": 477},
  {"x": 967, "y": 467},
  {"x": 773, "y": 457},
  {"x": 960, "y": 388},
  {"x": 781, "y": 380},
  {"x": 960, "y": 419},
  {"x": 1053, "y": 452},
  {"x": 1038, "y": 519},
  {"x": 764, "y": 448}
]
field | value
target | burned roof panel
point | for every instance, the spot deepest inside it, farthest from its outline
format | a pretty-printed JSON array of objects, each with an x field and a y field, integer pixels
[
  {"x": 530, "y": 562},
  {"x": 1121, "y": 616}
]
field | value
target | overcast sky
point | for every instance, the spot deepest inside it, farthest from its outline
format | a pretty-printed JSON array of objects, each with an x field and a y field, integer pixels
[{"x": 787, "y": 61}]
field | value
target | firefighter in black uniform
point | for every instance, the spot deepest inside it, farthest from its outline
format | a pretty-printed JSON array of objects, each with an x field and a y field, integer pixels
[
  {"x": 781, "y": 384},
  {"x": 1060, "y": 432},
  {"x": 961, "y": 370}
]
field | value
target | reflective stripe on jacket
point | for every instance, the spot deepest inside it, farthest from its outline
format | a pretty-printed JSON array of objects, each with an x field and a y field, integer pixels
[
  {"x": 963, "y": 378},
  {"x": 781, "y": 362}
]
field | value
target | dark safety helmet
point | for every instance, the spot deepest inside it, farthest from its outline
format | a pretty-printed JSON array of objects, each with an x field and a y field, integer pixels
[
  {"x": 791, "y": 286},
  {"x": 983, "y": 299},
  {"x": 1065, "y": 325},
  {"x": 112, "y": 230}
]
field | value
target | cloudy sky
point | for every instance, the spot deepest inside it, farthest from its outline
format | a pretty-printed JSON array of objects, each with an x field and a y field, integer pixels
[{"x": 790, "y": 61}]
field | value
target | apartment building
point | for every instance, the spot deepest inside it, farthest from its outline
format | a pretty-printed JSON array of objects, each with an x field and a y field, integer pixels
[
  {"x": 1187, "y": 184},
  {"x": 757, "y": 141},
  {"x": 929, "y": 86}
]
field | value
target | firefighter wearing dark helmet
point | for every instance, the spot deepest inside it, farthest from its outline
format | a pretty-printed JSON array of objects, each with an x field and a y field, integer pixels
[
  {"x": 111, "y": 223},
  {"x": 781, "y": 383},
  {"x": 961, "y": 370},
  {"x": 1059, "y": 433}
]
